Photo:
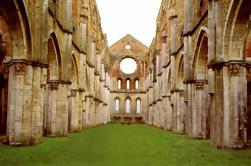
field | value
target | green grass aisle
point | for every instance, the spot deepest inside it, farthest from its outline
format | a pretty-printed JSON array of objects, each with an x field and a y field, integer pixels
[{"x": 128, "y": 145}]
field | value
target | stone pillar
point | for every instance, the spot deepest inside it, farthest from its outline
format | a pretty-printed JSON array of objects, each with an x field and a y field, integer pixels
[
  {"x": 20, "y": 104},
  {"x": 37, "y": 104},
  {"x": 62, "y": 110},
  {"x": 169, "y": 113},
  {"x": 51, "y": 108},
  {"x": 150, "y": 115},
  {"x": 188, "y": 54},
  {"x": 74, "y": 111},
  {"x": 201, "y": 111},
  {"x": 174, "y": 111},
  {"x": 86, "y": 112},
  {"x": 180, "y": 112},
  {"x": 57, "y": 108},
  {"x": 235, "y": 117}
]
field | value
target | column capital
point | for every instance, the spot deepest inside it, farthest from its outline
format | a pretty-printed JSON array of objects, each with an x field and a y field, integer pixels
[
  {"x": 234, "y": 69},
  {"x": 19, "y": 68},
  {"x": 199, "y": 85},
  {"x": 74, "y": 92},
  {"x": 53, "y": 84}
]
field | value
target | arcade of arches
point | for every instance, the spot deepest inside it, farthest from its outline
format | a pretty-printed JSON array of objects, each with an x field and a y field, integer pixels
[{"x": 58, "y": 75}]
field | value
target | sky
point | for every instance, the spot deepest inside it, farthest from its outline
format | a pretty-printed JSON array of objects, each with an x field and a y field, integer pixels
[{"x": 135, "y": 17}]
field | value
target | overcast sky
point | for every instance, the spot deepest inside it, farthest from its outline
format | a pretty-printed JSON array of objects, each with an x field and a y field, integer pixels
[{"x": 135, "y": 17}]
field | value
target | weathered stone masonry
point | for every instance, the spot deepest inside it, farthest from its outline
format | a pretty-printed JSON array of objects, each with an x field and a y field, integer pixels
[
  {"x": 58, "y": 75},
  {"x": 53, "y": 69},
  {"x": 205, "y": 47}
]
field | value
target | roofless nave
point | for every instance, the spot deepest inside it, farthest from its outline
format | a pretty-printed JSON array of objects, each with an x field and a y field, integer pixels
[{"x": 59, "y": 76}]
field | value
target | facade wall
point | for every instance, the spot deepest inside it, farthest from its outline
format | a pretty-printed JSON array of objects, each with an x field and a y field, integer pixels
[{"x": 119, "y": 51}]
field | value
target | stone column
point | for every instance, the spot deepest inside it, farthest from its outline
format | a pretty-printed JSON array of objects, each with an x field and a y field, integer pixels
[
  {"x": 188, "y": 54},
  {"x": 51, "y": 108},
  {"x": 174, "y": 111},
  {"x": 150, "y": 115},
  {"x": 37, "y": 104},
  {"x": 62, "y": 109},
  {"x": 201, "y": 111},
  {"x": 86, "y": 116},
  {"x": 169, "y": 114},
  {"x": 20, "y": 104},
  {"x": 235, "y": 114},
  {"x": 218, "y": 79},
  {"x": 155, "y": 108},
  {"x": 75, "y": 113},
  {"x": 180, "y": 112},
  {"x": 57, "y": 108}
]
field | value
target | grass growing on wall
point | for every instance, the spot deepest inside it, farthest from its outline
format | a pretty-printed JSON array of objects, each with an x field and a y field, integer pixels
[{"x": 127, "y": 145}]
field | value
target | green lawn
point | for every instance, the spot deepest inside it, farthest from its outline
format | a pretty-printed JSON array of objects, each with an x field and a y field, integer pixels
[{"x": 128, "y": 145}]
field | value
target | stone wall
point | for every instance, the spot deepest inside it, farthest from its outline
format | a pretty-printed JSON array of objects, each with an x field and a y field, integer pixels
[
  {"x": 55, "y": 56},
  {"x": 57, "y": 74},
  {"x": 205, "y": 45}
]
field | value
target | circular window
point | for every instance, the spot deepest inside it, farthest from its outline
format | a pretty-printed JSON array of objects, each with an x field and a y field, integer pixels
[
  {"x": 128, "y": 65},
  {"x": 128, "y": 47}
]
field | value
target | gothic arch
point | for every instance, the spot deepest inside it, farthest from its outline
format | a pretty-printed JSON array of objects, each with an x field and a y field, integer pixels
[
  {"x": 201, "y": 118},
  {"x": 119, "y": 83},
  {"x": 53, "y": 80},
  {"x": 15, "y": 16},
  {"x": 117, "y": 104},
  {"x": 128, "y": 84},
  {"x": 128, "y": 105},
  {"x": 75, "y": 73},
  {"x": 15, "y": 43},
  {"x": 138, "y": 106},
  {"x": 54, "y": 58},
  {"x": 200, "y": 59},
  {"x": 237, "y": 42},
  {"x": 180, "y": 72},
  {"x": 236, "y": 30},
  {"x": 136, "y": 83}
]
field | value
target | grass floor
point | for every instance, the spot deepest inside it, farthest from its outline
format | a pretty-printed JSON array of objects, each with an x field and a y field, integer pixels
[{"x": 128, "y": 145}]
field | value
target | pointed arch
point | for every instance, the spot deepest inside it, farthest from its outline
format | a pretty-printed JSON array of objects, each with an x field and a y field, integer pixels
[
  {"x": 128, "y": 84},
  {"x": 200, "y": 58},
  {"x": 54, "y": 58},
  {"x": 75, "y": 73},
  {"x": 236, "y": 29},
  {"x": 128, "y": 105},
  {"x": 138, "y": 106},
  {"x": 15, "y": 43},
  {"x": 180, "y": 72},
  {"x": 119, "y": 83},
  {"x": 136, "y": 83},
  {"x": 117, "y": 104},
  {"x": 15, "y": 15}
]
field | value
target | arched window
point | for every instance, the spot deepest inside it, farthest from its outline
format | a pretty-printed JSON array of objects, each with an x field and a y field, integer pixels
[
  {"x": 127, "y": 84},
  {"x": 136, "y": 84},
  {"x": 128, "y": 106},
  {"x": 119, "y": 83},
  {"x": 138, "y": 110},
  {"x": 117, "y": 105}
]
